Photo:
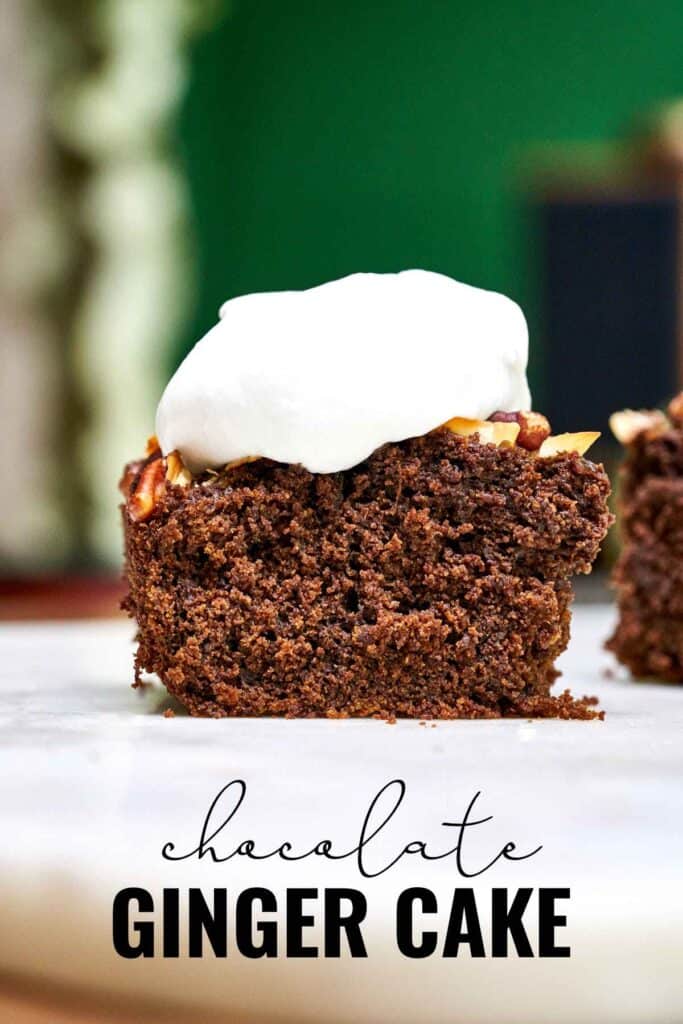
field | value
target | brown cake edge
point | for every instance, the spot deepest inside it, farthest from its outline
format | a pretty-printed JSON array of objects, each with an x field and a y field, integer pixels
[{"x": 648, "y": 637}]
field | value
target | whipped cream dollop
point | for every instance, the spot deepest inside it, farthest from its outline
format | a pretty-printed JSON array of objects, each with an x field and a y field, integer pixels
[{"x": 325, "y": 376}]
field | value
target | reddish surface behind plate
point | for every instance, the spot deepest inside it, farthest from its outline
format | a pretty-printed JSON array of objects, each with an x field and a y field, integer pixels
[
  {"x": 23, "y": 1002},
  {"x": 74, "y": 597}
]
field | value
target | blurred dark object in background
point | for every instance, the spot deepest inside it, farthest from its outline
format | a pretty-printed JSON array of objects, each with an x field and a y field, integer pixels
[
  {"x": 611, "y": 300},
  {"x": 60, "y": 597},
  {"x": 610, "y": 303}
]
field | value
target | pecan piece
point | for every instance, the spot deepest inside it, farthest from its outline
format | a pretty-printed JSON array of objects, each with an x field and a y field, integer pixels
[
  {"x": 129, "y": 475},
  {"x": 176, "y": 471},
  {"x": 148, "y": 490}
]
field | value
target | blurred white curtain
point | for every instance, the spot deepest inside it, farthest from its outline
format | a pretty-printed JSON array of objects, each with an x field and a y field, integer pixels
[
  {"x": 33, "y": 261},
  {"x": 95, "y": 269}
]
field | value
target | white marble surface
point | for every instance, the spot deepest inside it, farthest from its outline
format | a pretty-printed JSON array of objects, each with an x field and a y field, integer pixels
[{"x": 94, "y": 780}]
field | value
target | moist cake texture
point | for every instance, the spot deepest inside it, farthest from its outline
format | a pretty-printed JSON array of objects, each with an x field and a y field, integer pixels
[
  {"x": 432, "y": 581},
  {"x": 648, "y": 577}
]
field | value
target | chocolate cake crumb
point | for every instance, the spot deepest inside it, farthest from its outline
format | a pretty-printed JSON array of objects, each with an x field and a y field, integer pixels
[{"x": 430, "y": 581}]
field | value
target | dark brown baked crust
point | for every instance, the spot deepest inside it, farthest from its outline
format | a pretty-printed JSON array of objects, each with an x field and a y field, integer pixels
[
  {"x": 648, "y": 577},
  {"x": 432, "y": 580}
]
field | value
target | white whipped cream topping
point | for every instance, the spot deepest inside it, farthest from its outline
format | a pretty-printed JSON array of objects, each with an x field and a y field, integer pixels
[{"x": 325, "y": 376}]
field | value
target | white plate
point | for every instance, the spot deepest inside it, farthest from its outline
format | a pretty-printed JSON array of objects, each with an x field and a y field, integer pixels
[{"x": 94, "y": 780}]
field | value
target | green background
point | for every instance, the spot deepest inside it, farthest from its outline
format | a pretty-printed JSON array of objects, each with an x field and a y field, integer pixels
[{"x": 321, "y": 138}]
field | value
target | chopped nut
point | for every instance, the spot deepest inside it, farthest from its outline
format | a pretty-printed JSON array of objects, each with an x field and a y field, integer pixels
[
  {"x": 503, "y": 417},
  {"x": 152, "y": 445},
  {"x": 489, "y": 432},
  {"x": 501, "y": 434},
  {"x": 629, "y": 423},
  {"x": 533, "y": 427},
  {"x": 676, "y": 408},
  {"x": 242, "y": 461},
  {"x": 129, "y": 475},
  {"x": 533, "y": 430},
  {"x": 148, "y": 491},
  {"x": 176, "y": 472},
  {"x": 558, "y": 443}
]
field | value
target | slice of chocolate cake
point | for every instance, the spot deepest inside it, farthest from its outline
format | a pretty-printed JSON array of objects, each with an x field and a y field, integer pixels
[
  {"x": 432, "y": 580},
  {"x": 315, "y": 537},
  {"x": 648, "y": 577}
]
